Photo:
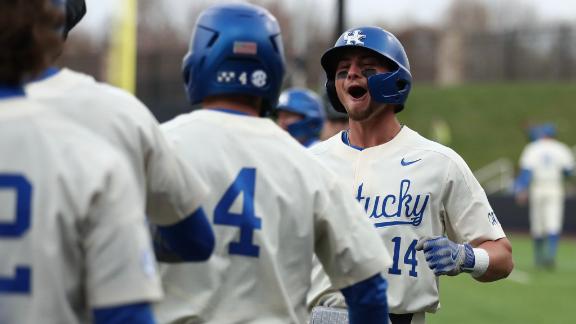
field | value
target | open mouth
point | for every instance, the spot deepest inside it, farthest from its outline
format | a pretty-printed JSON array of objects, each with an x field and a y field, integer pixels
[{"x": 357, "y": 92}]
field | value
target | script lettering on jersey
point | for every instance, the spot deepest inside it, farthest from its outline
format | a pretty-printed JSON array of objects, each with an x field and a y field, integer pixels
[{"x": 403, "y": 208}]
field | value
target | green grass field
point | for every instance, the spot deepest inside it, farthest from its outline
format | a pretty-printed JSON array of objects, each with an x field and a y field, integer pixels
[
  {"x": 529, "y": 295},
  {"x": 487, "y": 120}
]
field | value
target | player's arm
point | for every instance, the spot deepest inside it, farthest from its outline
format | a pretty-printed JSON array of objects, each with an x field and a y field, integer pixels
[
  {"x": 486, "y": 253},
  {"x": 488, "y": 261},
  {"x": 189, "y": 240},
  {"x": 119, "y": 261},
  {"x": 499, "y": 260},
  {"x": 367, "y": 301},
  {"x": 181, "y": 230},
  {"x": 352, "y": 255},
  {"x": 140, "y": 313}
]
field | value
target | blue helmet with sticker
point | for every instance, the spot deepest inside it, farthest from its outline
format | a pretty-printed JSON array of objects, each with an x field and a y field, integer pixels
[
  {"x": 235, "y": 49},
  {"x": 392, "y": 87},
  {"x": 308, "y": 104}
]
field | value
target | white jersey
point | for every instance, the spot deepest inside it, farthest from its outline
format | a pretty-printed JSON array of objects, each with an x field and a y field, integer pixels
[
  {"x": 72, "y": 229},
  {"x": 129, "y": 126},
  {"x": 273, "y": 205},
  {"x": 547, "y": 158},
  {"x": 411, "y": 187}
]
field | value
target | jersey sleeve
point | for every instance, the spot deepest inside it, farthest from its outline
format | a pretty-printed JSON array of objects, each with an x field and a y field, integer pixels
[
  {"x": 347, "y": 245},
  {"x": 467, "y": 213},
  {"x": 175, "y": 191},
  {"x": 120, "y": 265}
]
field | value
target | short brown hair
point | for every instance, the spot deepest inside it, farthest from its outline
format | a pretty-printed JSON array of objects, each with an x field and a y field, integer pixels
[{"x": 29, "y": 38}]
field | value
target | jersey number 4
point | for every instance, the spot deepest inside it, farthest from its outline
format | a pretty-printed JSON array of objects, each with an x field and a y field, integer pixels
[
  {"x": 247, "y": 220},
  {"x": 409, "y": 257},
  {"x": 16, "y": 228}
]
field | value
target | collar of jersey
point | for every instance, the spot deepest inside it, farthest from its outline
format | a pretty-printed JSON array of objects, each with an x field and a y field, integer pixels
[
  {"x": 11, "y": 91},
  {"x": 230, "y": 111},
  {"x": 346, "y": 140},
  {"x": 48, "y": 73}
]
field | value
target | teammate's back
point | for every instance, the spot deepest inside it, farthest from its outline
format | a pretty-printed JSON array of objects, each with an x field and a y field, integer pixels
[
  {"x": 272, "y": 206},
  {"x": 73, "y": 233}
]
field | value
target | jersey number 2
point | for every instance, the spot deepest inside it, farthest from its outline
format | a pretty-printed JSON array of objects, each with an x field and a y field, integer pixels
[
  {"x": 247, "y": 220},
  {"x": 13, "y": 229}
]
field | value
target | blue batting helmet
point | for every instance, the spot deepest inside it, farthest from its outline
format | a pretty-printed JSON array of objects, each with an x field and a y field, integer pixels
[
  {"x": 392, "y": 87},
  {"x": 75, "y": 11},
  {"x": 235, "y": 49},
  {"x": 308, "y": 104}
]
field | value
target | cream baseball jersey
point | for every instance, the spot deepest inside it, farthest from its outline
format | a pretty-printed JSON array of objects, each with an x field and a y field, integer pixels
[
  {"x": 547, "y": 158},
  {"x": 72, "y": 228},
  {"x": 170, "y": 189},
  {"x": 272, "y": 206},
  {"x": 409, "y": 188}
]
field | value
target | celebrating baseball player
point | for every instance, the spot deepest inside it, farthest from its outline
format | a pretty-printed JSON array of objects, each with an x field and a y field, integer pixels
[
  {"x": 272, "y": 204},
  {"x": 544, "y": 164},
  {"x": 172, "y": 191},
  {"x": 421, "y": 197},
  {"x": 301, "y": 113},
  {"x": 74, "y": 246}
]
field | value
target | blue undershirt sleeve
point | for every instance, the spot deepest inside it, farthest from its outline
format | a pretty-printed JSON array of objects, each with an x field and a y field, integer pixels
[
  {"x": 133, "y": 313},
  {"x": 523, "y": 180},
  {"x": 367, "y": 301},
  {"x": 189, "y": 240}
]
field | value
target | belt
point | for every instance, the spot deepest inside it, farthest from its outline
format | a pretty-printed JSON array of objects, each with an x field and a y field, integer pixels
[{"x": 401, "y": 318}]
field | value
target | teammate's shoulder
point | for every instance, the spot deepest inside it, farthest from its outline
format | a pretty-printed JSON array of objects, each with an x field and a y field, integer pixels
[{"x": 325, "y": 145}]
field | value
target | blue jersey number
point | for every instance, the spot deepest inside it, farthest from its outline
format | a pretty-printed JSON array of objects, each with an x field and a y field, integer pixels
[
  {"x": 409, "y": 257},
  {"x": 14, "y": 229},
  {"x": 247, "y": 220}
]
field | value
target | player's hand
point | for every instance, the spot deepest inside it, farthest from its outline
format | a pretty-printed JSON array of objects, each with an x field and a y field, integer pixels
[
  {"x": 522, "y": 198},
  {"x": 445, "y": 257}
]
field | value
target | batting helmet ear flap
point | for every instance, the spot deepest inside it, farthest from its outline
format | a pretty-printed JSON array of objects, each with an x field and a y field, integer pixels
[
  {"x": 333, "y": 96},
  {"x": 391, "y": 88}
]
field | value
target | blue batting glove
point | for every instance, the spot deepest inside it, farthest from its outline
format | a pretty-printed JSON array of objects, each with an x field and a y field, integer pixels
[{"x": 445, "y": 257}]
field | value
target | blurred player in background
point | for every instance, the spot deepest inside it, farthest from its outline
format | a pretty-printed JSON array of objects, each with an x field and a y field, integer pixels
[
  {"x": 272, "y": 205},
  {"x": 300, "y": 112},
  {"x": 418, "y": 194},
  {"x": 73, "y": 242},
  {"x": 335, "y": 121},
  {"x": 170, "y": 189},
  {"x": 544, "y": 164}
]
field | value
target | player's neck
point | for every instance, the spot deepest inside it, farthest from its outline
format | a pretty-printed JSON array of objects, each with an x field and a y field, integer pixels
[
  {"x": 374, "y": 131},
  {"x": 248, "y": 107}
]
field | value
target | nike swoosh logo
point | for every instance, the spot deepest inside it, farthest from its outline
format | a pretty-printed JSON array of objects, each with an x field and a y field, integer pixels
[{"x": 406, "y": 163}]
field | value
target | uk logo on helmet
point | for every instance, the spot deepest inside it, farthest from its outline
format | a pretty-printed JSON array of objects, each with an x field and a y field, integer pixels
[{"x": 354, "y": 38}]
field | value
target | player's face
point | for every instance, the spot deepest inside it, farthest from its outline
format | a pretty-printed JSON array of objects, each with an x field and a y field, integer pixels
[
  {"x": 352, "y": 73},
  {"x": 286, "y": 118}
]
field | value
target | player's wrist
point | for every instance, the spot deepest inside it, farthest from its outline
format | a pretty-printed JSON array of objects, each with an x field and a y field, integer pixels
[{"x": 481, "y": 262}]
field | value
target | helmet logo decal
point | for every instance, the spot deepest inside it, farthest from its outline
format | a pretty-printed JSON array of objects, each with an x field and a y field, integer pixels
[
  {"x": 249, "y": 48},
  {"x": 354, "y": 38},
  {"x": 226, "y": 76},
  {"x": 259, "y": 78}
]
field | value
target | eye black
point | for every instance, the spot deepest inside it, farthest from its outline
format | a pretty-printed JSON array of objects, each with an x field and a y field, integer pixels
[{"x": 342, "y": 74}]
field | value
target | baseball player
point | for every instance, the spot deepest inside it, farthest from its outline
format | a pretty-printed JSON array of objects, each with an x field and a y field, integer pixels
[
  {"x": 173, "y": 192},
  {"x": 273, "y": 205},
  {"x": 301, "y": 113},
  {"x": 421, "y": 197},
  {"x": 73, "y": 242},
  {"x": 544, "y": 164}
]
